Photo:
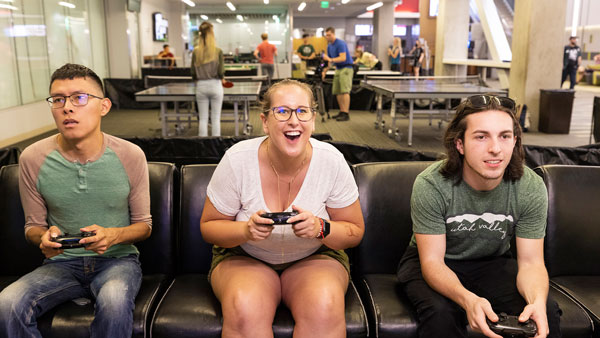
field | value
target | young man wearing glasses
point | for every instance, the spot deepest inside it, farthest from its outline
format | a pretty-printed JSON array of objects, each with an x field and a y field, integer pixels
[
  {"x": 80, "y": 180},
  {"x": 458, "y": 269}
]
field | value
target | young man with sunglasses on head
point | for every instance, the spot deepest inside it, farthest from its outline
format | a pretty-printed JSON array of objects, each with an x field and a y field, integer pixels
[
  {"x": 80, "y": 180},
  {"x": 458, "y": 269}
]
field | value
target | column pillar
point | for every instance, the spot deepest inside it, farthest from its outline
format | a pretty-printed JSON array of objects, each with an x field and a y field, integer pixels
[
  {"x": 452, "y": 33},
  {"x": 383, "y": 35},
  {"x": 537, "y": 51}
]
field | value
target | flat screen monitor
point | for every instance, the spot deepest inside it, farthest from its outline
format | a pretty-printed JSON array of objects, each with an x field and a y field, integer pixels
[
  {"x": 161, "y": 27},
  {"x": 399, "y": 30},
  {"x": 363, "y": 30},
  {"x": 134, "y": 5}
]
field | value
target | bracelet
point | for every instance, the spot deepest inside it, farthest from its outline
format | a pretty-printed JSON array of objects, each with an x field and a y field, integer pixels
[{"x": 320, "y": 234}]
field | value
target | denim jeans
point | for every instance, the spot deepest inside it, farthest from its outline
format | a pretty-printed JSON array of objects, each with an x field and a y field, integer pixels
[
  {"x": 209, "y": 91},
  {"x": 112, "y": 282}
]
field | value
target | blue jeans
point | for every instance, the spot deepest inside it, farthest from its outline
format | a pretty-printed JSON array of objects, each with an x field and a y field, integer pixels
[
  {"x": 209, "y": 91},
  {"x": 112, "y": 282}
]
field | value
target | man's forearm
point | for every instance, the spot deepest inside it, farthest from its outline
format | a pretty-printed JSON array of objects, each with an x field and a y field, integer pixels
[
  {"x": 133, "y": 233},
  {"x": 443, "y": 280},
  {"x": 532, "y": 282},
  {"x": 34, "y": 235}
]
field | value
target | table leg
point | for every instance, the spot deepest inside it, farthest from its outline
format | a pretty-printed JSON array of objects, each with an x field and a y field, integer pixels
[
  {"x": 236, "y": 117},
  {"x": 410, "y": 120},
  {"x": 379, "y": 116},
  {"x": 163, "y": 118}
]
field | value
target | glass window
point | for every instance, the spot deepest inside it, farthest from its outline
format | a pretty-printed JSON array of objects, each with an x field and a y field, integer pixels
[{"x": 9, "y": 83}]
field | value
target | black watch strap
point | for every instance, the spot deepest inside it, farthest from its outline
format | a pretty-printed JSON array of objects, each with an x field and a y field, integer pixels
[{"x": 326, "y": 227}]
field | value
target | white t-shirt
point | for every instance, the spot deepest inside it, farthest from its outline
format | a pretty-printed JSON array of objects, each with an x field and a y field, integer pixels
[{"x": 235, "y": 190}]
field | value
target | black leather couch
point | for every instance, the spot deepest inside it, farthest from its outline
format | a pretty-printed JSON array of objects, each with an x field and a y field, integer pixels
[
  {"x": 385, "y": 190},
  {"x": 176, "y": 300},
  {"x": 156, "y": 255},
  {"x": 572, "y": 246},
  {"x": 189, "y": 308}
]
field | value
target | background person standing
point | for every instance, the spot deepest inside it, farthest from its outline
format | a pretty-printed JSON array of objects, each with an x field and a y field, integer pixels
[
  {"x": 338, "y": 54},
  {"x": 266, "y": 52},
  {"x": 395, "y": 53},
  {"x": 571, "y": 61},
  {"x": 208, "y": 72}
]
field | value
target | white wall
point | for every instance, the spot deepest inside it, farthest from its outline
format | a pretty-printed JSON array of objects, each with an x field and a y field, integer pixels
[
  {"x": 173, "y": 12},
  {"x": 22, "y": 122}
]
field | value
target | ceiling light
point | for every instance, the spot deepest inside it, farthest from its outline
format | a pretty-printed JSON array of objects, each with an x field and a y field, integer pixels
[
  {"x": 345, "y": 1},
  {"x": 231, "y": 6},
  {"x": 219, "y": 20},
  {"x": 189, "y": 3},
  {"x": 66, "y": 4},
  {"x": 375, "y": 6},
  {"x": 301, "y": 7},
  {"x": 8, "y": 7},
  {"x": 239, "y": 17},
  {"x": 266, "y": 2},
  {"x": 204, "y": 17}
]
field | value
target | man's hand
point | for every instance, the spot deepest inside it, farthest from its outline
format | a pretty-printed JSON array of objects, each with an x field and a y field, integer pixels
[
  {"x": 537, "y": 312},
  {"x": 48, "y": 247},
  {"x": 477, "y": 309},
  {"x": 103, "y": 238},
  {"x": 326, "y": 58}
]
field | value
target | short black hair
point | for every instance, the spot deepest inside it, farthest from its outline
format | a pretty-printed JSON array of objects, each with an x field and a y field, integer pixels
[
  {"x": 165, "y": 45},
  {"x": 71, "y": 71},
  {"x": 305, "y": 36}
]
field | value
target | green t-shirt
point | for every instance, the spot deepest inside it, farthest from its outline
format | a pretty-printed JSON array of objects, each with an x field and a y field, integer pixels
[
  {"x": 478, "y": 223},
  {"x": 306, "y": 50}
]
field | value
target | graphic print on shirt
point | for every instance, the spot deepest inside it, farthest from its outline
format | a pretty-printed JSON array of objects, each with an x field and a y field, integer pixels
[{"x": 487, "y": 225}]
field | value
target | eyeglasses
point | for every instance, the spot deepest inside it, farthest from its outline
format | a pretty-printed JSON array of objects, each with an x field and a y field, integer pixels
[
  {"x": 284, "y": 113},
  {"x": 78, "y": 99},
  {"x": 482, "y": 101}
]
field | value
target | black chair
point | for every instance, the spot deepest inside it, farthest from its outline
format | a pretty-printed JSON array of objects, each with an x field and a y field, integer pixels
[
  {"x": 156, "y": 255},
  {"x": 385, "y": 190},
  {"x": 189, "y": 308},
  {"x": 571, "y": 247}
]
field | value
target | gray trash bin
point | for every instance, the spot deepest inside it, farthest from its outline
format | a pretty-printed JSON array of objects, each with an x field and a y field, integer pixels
[{"x": 556, "y": 107}]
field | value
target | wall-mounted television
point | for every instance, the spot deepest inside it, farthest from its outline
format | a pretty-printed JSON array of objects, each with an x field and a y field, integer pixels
[
  {"x": 134, "y": 5},
  {"x": 399, "y": 30},
  {"x": 161, "y": 27},
  {"x": 363, "y": 30}
]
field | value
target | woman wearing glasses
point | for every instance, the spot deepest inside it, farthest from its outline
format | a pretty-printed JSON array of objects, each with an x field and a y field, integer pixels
[
  {"x": 208, "y": 72},
  {"x": 257, "y": 264}
]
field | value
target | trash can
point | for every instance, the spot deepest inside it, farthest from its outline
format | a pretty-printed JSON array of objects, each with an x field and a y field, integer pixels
[{"x": 556, "y": 107}]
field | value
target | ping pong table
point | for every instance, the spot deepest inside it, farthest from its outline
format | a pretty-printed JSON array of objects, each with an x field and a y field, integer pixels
[
  {"x": 429, "y": 88},
  {"x": 241, "y": 92}
]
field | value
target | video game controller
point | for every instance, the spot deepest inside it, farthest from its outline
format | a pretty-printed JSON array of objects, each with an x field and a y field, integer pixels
[
  {"x": 72, "y": 241},
  {"x": 510, "y": 326},
  {"x": 279, "y": 217}
]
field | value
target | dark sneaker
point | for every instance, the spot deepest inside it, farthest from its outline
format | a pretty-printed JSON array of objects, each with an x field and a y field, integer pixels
[
  {"x": 336, "y": 116},
  {"x": 343, "y": 117}
]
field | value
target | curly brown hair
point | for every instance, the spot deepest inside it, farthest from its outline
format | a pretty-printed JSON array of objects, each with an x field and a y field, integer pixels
[{"x": 453, "y": 163}]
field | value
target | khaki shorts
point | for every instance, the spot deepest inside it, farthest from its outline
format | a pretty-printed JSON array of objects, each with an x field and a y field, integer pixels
[
  {"x": 342, "y": 81},
  {"x": 220, "y": 254}
]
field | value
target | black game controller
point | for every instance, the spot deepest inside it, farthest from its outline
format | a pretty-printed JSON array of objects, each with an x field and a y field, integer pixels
[
  {"x": 72, "y": 241},
  {"x": 279, "y": 217},
  {"x": 510, "y": 326}
]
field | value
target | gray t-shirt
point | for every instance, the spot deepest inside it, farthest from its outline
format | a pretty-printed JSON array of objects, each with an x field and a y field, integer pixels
[
  {"x": 478, "y": 223},
  {"x": 235, "y": 189}
]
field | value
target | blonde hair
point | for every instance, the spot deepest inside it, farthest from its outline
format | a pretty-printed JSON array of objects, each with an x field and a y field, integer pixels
[
  {"x": 398, "y": 41},
  {"x": 268, "y": 96},
  {"x": 206, "y": 43}
]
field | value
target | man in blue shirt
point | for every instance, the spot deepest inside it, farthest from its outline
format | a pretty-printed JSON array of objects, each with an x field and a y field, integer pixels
[{"x": 339, "y": 55}]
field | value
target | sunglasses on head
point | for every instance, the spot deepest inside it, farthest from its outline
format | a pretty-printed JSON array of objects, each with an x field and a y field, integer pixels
[{"x": 482, "y": 101}]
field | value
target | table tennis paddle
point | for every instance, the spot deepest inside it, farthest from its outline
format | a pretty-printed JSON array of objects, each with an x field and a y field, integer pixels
[{"x": 227, "y": 84}]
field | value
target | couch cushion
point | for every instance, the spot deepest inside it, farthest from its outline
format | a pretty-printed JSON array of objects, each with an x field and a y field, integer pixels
[
  {"x": 190, "y": 309},
  {"x": 384, "y": 190},
  {"x": 584, "y": 290}
]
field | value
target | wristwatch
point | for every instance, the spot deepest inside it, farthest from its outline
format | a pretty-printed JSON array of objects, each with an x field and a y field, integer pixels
[{"x": 325, "y": 228}]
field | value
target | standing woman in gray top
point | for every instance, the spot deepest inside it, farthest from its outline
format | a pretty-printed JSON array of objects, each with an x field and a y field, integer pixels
[{"x": 208, "y": 72}]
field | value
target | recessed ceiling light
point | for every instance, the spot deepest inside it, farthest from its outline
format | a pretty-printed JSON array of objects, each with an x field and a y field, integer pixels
[
  {"x": 231, "y": 6},
  {"x": 375, "y": 6}
]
